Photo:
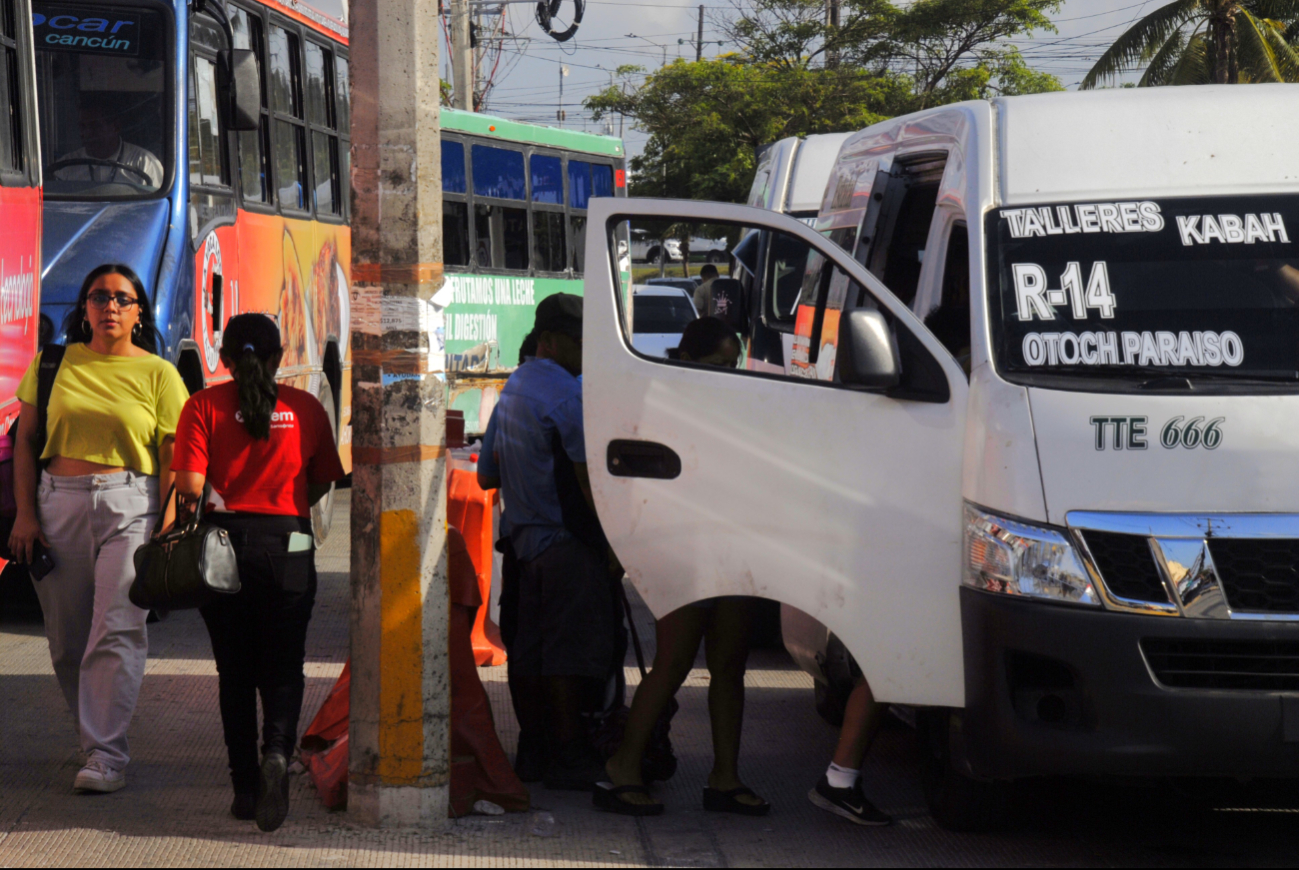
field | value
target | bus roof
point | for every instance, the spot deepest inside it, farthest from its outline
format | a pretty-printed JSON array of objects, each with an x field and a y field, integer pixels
[
  {"x": 324, "y": 15},
  {"x": 533, "y": 134}
]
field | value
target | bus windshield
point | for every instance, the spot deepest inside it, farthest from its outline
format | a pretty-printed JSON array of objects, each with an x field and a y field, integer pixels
[
  {"x": 1147, "y": 294},
  {"x": 102, "y": 81}
]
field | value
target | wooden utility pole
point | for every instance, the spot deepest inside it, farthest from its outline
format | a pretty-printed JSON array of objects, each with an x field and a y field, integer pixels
[{"x": 399, "y": 732}]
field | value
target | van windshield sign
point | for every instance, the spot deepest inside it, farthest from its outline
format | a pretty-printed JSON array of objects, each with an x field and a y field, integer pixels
[
  {"x": 1181, "y": 287},
  {"x": 98, "y": 30}
]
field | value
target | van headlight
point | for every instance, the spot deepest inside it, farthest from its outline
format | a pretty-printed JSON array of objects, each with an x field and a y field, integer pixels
[{"x": 1016, "y": 558}]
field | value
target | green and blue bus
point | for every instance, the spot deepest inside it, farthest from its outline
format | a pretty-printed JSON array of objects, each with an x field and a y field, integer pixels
[{"x": 514, "y": 232}]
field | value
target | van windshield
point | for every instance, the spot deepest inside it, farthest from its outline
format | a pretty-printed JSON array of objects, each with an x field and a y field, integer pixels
[
  {"x": 101, "y": 74},
  {"x": 1145, "y": 294}
]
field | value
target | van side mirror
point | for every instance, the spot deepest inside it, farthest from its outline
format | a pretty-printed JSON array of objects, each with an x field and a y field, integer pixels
[
  {"x": 726, "y": 301},
  {"x": 242, "y": 87},
  {"x": 867, "y": 354}
]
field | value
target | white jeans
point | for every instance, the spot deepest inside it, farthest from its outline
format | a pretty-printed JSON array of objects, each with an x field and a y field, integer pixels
[{"x": 98, "y": 641}]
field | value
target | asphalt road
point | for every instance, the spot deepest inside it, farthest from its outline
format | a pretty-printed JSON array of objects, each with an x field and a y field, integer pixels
[{"x": 174, "y": 811}]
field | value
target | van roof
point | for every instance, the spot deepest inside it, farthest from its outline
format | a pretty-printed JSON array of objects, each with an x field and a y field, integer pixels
[
  {"x": 1170, "y": 141},
  {"x": 1122, "y": 142},
  {"x": 812, "y": 169}
]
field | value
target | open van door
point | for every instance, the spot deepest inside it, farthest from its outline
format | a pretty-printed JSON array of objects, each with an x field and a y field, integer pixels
[{"x": 838, "y": 492}]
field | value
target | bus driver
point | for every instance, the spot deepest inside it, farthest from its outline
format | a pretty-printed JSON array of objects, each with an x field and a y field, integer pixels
[{"x": 105, "y": 157}]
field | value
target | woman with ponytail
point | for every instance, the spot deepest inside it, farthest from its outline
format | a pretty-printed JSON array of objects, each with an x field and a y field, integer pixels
[{"x": 267, "y": 451}]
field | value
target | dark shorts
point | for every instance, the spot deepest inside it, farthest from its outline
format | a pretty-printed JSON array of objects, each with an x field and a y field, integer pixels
[{"x": 565, "y": 621}]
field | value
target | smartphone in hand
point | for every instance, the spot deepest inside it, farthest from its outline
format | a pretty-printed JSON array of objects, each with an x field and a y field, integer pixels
[{"x": 41, "y": 564}]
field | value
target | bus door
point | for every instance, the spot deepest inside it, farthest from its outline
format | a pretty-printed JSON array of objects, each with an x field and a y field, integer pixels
[
  {"x": 837, "y": 492},
  {"x": 20, "y": 206}
]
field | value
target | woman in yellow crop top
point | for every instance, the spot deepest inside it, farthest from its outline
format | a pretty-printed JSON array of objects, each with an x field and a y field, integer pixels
[{"x": 111, "y": 425}]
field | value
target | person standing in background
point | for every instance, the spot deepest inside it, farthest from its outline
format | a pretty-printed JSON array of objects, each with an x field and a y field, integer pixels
[
  {"x": 703, "y": 293},
  {"x": 110, "y": 430},
  {"x": 268, "y": 451}
]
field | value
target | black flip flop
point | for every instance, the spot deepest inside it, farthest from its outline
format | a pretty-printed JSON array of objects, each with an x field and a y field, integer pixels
[
  {"x": 726, "y": 802},
  {"x": 608, "y": 797}
]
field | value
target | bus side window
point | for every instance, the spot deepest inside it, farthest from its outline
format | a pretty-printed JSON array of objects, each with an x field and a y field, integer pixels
[
  {"x": 455, "y": 207},
  {"x": 11, "y": 114},
  {"x": 254, "y": 149},
  {"x": 501, "y": 230},
  {"x": 950, "y": 320},
  {"x": 321, "y": 114},
  {"x": 289, "y": 134},
  {"x": 206, "y": 167},
  {"x": 342, "y": 89},
  {"x": 549, "y": 247}
]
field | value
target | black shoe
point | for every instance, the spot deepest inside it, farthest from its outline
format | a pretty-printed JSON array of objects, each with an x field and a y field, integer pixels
[
  {"x": 574, "y": 768},
  {"x": 531, "y": 759},
  {"x": 273, "y": 792},
  {"x": 244, "y": 807},
  {"x": 847, "y": 802}
]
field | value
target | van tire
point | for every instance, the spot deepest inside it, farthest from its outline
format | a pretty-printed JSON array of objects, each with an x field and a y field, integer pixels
[
  {"x": 716, "y": 257},
  {"x": 957, "y": 801},
  {"x": 322, "y": 512}
]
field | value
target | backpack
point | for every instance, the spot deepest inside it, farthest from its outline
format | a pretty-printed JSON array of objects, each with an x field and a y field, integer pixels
[{"x": 51, "y": 359}]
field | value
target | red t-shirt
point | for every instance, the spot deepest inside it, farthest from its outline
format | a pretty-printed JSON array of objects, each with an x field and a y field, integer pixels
[{"x": 252, "y": 476}]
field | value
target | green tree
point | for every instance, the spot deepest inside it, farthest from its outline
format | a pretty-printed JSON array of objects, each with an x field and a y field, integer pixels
[
  {"x": 797, "y": 75},
  {"x": 1207, "y": 42}
]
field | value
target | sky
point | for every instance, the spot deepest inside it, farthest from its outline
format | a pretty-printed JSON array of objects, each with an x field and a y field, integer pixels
[{"x": 618, "y": 32}]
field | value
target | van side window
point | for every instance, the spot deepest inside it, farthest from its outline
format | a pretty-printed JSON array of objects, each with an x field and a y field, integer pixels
[
  {"x": 897, "y": 253},
  {"x": 950, "y": 320}
]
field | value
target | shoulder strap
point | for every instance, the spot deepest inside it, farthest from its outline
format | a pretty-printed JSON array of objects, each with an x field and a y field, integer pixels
[{"x": 51, "y": 359}]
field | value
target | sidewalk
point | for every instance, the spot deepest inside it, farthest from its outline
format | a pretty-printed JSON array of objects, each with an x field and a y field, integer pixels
[{"x": 175, "y": 810}]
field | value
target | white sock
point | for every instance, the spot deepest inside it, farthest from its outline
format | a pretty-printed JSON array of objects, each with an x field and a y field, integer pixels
[{"x": 841, "y": 777}]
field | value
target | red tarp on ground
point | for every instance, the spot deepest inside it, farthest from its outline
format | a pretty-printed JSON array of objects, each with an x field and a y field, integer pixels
[{"x": 480, "y": 769}]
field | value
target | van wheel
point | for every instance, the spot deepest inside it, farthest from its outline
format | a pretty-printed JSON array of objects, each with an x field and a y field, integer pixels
[
  {"x": 322, "y": 512},
  {"x": 957, "y": 801},
  {"x": 716, "y": 257}
]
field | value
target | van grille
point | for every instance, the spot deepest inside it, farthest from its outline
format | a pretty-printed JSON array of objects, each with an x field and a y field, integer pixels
[
  {"x": 1222, "y": 664},
  {"x": 1258, "y": 575},
  {"x": 1127, "y": 566}
]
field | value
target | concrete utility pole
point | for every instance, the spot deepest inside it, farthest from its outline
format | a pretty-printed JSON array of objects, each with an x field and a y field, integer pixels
[
  {"x": 832, "y": 20},
  {"x": 462, "y": 56},
  {"x": 399, "y": 772}
]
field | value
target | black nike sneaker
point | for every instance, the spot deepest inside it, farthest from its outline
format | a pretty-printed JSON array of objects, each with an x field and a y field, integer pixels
[{"x": 849, "y": 803}]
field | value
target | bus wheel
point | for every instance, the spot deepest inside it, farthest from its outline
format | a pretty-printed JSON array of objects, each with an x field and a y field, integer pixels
[
  {"x": 957, "y": 801},
  {"x": 322, "y": 512}
]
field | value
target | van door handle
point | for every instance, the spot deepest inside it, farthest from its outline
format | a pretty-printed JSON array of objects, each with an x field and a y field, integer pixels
[{"x": 643, "y": 459}]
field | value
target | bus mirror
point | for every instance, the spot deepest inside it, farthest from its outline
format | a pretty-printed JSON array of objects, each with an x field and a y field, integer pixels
[
  {"x": 243, "y": 88},
  {"x": 867, "y": 354}
]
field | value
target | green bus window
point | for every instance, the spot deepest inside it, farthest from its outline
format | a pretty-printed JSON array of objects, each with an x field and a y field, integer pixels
[
  {"x": 453, "y": 167},
  {"x": 577, "y": 244},
  {"x": 601, "y": 180},
  {"x": 498, "y": 173},
  {"x": 502, "y": 237},
  {"x": 579, "y": 183},
  {"x": 548, "y": 241},
  {"x": 455, "y": 233},
  {"x": 547, "y": 179}
]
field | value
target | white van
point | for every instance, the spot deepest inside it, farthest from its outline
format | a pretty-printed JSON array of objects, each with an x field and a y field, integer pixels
[{"x": 1062, "y": 519}]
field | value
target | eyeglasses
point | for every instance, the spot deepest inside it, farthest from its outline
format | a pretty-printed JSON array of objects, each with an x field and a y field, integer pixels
[{"x": 100, "y": 300}]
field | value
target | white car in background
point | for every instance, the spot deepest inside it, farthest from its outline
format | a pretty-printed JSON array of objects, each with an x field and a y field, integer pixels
[{"x": 660, "y": 313}]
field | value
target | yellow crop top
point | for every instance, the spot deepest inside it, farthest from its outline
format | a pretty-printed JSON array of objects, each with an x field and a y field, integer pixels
[{"x": 113, "y": 410}]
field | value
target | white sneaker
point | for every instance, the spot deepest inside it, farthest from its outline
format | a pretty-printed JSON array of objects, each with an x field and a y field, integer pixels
[{"x": 98, "y": 777}]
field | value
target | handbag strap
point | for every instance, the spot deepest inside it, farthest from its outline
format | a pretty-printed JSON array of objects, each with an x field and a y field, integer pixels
[
  {"x": 635, "y": 635},
  {"x": 198, "y": 509}
]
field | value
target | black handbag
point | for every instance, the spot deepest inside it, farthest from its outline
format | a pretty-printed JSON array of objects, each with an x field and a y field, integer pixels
[{"x": 187, "y": 567}]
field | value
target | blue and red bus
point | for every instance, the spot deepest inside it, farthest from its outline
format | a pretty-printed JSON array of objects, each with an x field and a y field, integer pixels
[
  {"x": 206, "y": 146},
  {"x": 20, "y": 206}
]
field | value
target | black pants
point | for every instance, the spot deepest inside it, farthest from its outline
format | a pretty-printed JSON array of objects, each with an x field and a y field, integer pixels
[{"x": 259, "y": 638}]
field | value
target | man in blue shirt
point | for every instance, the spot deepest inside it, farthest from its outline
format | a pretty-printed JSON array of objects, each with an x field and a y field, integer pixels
[{"x": 565, "y": 636}]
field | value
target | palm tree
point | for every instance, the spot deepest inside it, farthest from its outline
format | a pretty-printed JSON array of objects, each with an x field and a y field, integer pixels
[{"x": 1192, "y": 42}]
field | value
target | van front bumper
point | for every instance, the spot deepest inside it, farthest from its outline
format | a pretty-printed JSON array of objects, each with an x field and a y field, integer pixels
[{"x": 1063, "y": 690}]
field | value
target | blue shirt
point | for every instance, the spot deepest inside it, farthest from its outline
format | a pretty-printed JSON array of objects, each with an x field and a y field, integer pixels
[{"x": 540, "y": 399}]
